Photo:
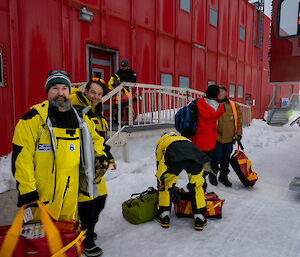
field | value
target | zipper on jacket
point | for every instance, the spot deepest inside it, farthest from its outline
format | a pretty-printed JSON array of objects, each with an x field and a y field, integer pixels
[{"x": 67, "y": 186}]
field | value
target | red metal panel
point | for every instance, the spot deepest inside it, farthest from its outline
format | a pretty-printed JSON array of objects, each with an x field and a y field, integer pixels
[
  {"x": 166, "y": 55},
  {"x": 211, "y": 67},
  {"x": 223, "y": 27},
  {"x": 183, "y": 59},
  {"x": 183, "y": 25},
  {"x": 231, "y": 71},
  {"x": 144, "y": 13},
  {"x": 120, "y": 38},
  {"x": 233, "y": 28},
  {"x": 7, "y": 92},
  {"x": 145, "y": 63},
  {"x": 120, "y": 9},
  {"x": 212, "y": 31},
  {"x": 199, "y": 22},
  {"x": 41, "y": 44},
  {"x": 242, "y": 22},
  {"x": 222, "y": 70},
  {"x": 198, "y": 69},
  {"x": 249, "y": 34},
  {"x": 240, "y": 73},
  {"x": 248, "y": 78},
  {"x": 166, "y": 16}
]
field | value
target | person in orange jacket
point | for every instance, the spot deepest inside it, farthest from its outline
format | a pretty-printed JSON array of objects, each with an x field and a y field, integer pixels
[{"x": 209, "y": 111}]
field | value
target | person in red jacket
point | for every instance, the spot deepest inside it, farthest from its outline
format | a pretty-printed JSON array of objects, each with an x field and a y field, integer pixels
[{"x": 209, "y": 111}]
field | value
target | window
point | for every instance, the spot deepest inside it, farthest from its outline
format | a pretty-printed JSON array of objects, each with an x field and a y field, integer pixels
[
  {"x": 213, "y": 17},
  {"x": 242, "y": 33},
  {"x": 289, "y": 18},
  {"x": 231, "y": 91},
  {"x": 166, "y": 80},
  {"x": 279, "y": 90},
  {"x": 184, "y": 82},
  {"x": 240, "y": 92},
  {"x": 1, "y": 69},
  {"x": 185, "y": 5}
]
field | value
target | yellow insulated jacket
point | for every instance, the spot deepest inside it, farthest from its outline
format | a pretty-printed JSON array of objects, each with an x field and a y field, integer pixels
[
  {"x": 46, "y": 161},
  {"x": 77, "y": 98}
]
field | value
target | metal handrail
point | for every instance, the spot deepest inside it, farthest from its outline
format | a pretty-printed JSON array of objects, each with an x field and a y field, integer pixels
[{"x": 152, "y": 104}]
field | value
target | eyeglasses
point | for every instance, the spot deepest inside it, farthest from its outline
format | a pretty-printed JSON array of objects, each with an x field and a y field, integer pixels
[
  {"x": 97, "y": 79},
  {"x": 51, "y": 73}
]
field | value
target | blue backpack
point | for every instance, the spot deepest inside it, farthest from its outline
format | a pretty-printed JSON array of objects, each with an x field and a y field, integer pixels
[{"x": 186, "y": 119}]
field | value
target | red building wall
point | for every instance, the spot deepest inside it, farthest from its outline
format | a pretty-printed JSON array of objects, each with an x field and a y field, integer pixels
[{"x": 156, "y": 36}]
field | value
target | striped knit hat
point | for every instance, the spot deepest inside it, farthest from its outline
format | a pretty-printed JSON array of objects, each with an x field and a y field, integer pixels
[{"x": 57, "y": 77}]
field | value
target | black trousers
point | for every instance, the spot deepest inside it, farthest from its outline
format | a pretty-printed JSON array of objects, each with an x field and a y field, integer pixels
[{"x": 89, "y": 214}]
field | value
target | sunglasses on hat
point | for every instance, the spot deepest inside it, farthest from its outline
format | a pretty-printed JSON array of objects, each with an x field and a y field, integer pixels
[
  {"x": 54, "y": 72},
  {"x": 97, "y": 79}
]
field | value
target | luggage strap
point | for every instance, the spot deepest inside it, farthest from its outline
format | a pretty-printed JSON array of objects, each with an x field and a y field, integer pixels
[
  {"x": 251, "y": 176},
  {"x": 216, "y": 205},
  {"x": 12, "y": 236},
  {"x": 76, "y": 242}
]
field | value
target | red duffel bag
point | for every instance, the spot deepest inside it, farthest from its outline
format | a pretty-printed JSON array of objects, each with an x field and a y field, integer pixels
[
  {"x": 242, "y": 167},
  {"x": 48, "y": 238}
]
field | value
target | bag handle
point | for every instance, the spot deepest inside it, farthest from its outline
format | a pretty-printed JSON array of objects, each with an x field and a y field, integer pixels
[
  {"x": 150, "y": 190},
  {"x": 240, "y": 145},
  {"x": 216, "y": 205},
  {"x": 76, "y": 242},
  {"x": 13, "y": 234}
]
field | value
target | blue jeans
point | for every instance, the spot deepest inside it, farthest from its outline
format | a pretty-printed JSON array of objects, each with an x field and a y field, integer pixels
[{"x": 222, "y": 154}]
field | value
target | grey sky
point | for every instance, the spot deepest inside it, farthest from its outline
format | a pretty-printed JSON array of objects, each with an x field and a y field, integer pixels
[{"x": 268, "y": 7}]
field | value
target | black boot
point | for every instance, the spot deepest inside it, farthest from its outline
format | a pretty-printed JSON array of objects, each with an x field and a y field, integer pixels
[
  {"x": 223, "y": 178},
  {"x": 213, "y": 179},
  {"x": 200, "y": 221},
  {"x": 164, "y": 219}
]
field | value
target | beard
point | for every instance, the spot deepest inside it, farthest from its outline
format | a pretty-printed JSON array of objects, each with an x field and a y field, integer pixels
[{"x": 65, "y": 105}]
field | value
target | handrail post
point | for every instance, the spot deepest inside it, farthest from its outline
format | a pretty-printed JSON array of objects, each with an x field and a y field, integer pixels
[{"x": 130, "y": 110}]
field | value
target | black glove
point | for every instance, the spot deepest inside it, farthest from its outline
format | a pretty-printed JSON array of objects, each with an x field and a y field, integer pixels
[{"x": 101, "y": 165}]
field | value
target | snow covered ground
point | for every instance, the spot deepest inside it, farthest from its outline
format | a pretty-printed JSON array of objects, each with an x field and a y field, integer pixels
[{"x": 259, "y": 221}]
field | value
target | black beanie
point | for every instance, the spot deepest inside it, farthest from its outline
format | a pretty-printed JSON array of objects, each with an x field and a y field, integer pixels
[
  {"x": 212, "y": 91},
  {"x": 57, "y": 77}
]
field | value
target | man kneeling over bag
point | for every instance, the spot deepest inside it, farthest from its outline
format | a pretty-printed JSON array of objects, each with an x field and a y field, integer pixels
[{"x": 173, "y": 154}]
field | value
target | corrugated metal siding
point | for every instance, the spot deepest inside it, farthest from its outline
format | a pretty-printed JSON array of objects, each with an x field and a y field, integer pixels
[{"x": 156, "y": 36}]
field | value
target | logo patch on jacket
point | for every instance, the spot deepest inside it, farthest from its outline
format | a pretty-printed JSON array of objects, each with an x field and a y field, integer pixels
[
  {"x": 72, "y": 147},
  {"x": 44, "y": 148}
]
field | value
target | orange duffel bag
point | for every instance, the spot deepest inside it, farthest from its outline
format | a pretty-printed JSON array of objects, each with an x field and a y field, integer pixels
[{"x": 48, "y": 238}]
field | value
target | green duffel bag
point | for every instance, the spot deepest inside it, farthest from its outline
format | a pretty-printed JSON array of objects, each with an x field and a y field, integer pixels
[{"x": 141, "y": 207}]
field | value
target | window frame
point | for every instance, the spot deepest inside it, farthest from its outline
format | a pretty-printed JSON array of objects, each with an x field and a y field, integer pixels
[
  {"x": 184, "y": 78},
  {"x": 238, "y": 91},
  {"x": 242, "y": 34},
  {"x": 183, "y": 9},
  {"x": 229, "y": 93},
  {"x": 216, "y": 12},
  {"x": 166, "y": 74}
]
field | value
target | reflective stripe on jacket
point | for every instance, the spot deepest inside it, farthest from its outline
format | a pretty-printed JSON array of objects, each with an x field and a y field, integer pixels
[{"x": 226, "y": 124}]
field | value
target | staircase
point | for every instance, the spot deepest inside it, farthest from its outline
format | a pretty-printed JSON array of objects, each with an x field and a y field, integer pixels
[
  {"x": 152, "y": 114},
  {"x": 277, "y": 117}
]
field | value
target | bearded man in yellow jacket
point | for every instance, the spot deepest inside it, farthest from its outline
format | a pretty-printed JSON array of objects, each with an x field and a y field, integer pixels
[{"x": 54, "y": 150}]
